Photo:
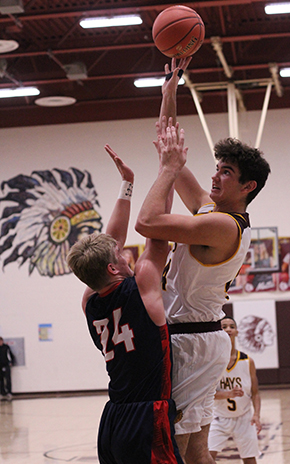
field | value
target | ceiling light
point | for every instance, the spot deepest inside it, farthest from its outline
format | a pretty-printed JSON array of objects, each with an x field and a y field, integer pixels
[
  {"x": 8, "y": 46},
  {"x": 19, "y": 92},
  {"x": 153, "y": 82},
  {"x": 277, "y": 8},
  {"x": 54, "y": 101},
  {"x": 285, "y": 72},
  {"x": 126, "y": 20},
  {"x": 11, "y": 6}
]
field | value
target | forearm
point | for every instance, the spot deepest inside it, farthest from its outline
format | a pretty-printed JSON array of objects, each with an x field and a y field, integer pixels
[
  {"x": 118, "y": 223},
  {"x": 169, "y": 88},
  {"x": 156, "y": 202},
  {"x": 225, "y": 394},
  {"x": 256, "y": 400},
  {"x": 168, "y": 106},
  {"x": 191, "y": 193},
  {"x": 222, "y": 394}
]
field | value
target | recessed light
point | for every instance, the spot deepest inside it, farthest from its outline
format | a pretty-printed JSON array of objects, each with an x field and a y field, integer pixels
[
  {"x": 8, "y": 46},
  {"x": 55, "y": 101}
]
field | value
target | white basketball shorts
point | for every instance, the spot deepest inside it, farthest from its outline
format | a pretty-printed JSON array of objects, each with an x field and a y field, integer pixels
[
  {"x": 198, "y": 363},
  {"x": 239, "y": 429}
]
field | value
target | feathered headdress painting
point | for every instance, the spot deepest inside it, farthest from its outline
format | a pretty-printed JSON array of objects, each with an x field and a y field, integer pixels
[{"x": 43, "y": 215}]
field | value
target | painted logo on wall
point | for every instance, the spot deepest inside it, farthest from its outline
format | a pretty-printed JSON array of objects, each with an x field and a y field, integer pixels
[
  {"x": 43, "y": 215},
  {"x": 255, "y": 333}
]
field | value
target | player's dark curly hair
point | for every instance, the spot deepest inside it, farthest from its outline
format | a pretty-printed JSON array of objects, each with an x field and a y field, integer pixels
[{"x": 250, "y": 161}]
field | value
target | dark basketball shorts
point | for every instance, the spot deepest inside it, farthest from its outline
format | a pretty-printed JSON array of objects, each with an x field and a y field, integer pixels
[{"x": 138, "y": 433}]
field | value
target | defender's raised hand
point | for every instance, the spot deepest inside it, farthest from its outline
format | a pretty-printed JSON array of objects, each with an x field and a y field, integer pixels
[{"x": 126, "y": 173}]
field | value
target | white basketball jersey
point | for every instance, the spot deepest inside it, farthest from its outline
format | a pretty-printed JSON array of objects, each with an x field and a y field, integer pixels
[
  {"x": 237, "y": 376},
  {"x": 196, "y": 292}
]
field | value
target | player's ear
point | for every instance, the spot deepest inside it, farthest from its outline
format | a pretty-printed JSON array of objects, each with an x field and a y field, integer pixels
[
  {"x": 250, "y": 186},
  {"x": 111, "y": 268}
]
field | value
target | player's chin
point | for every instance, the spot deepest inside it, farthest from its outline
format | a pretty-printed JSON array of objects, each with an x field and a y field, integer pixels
[{"x": 214, "y": 194}]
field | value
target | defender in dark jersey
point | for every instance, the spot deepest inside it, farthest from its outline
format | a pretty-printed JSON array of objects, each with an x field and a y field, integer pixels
[{"x": 126, "y": 320}]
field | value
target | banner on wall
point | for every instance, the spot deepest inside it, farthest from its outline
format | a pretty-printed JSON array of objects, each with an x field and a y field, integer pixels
[
  {"x": 257, "y": 331},
  {"x": 45, "y": 332},
  {"x": 284, "y": 280},
  {"x": 267, "y": 264}
]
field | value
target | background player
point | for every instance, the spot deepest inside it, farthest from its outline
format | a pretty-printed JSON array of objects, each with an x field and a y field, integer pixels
[
  {"x": 237, "y": 391},
  {"x": 7, "y": 359},
  {"x": 127, "y": 323},
  {"x": 209, "y": 251}
]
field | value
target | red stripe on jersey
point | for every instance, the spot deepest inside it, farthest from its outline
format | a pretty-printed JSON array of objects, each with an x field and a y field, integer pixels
[
  {"x": 162, "y": 448},
  {"x": 166, "y": 369}
]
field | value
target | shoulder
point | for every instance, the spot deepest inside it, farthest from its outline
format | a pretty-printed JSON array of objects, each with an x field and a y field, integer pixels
[
  {"x": 243, "y": 356},
  {"x": 242, "y": 220}
]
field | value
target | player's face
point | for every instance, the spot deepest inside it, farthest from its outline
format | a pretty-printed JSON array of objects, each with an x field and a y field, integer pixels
[
  {"x": 226, "y": 187},
  {"x": 229, "y": 326},
  {"x": 122, "y": 264}
]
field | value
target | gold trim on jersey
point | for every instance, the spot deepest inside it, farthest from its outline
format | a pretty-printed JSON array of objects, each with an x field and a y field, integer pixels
[{"x": 236, "y": 361}]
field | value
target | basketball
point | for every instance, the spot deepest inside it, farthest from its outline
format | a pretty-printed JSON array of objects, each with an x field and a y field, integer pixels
[{"x": 178, "y": 31}]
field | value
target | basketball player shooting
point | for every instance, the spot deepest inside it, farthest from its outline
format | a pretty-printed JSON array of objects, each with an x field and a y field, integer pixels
[{"x": 210, "y": 246}]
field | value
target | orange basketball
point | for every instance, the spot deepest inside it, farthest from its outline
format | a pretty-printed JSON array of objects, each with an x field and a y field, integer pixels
[{"x": 178, "y": 31}]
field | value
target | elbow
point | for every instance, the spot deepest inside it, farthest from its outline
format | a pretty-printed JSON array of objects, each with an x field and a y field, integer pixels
[
  {"x": 140, "y": 227},
  {"x": 144, "y": 227}
]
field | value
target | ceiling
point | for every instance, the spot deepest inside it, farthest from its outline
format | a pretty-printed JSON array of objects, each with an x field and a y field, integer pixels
[{"x": 254, "y": 46}]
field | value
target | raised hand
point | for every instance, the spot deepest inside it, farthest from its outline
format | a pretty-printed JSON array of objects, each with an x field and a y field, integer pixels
[
  {"x": 172, "y": 75},
  {"x": 171, "y": 149},
  {"x": 126, "y": 173}
]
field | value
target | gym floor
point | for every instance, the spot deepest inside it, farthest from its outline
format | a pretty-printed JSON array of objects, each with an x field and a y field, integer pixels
[{"x": 56, "y": 430}]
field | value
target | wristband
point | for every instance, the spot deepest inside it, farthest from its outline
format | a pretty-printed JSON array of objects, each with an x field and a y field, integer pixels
[
  {"x": 169, "y": 75},
  {"x": 125, "y": 190}
]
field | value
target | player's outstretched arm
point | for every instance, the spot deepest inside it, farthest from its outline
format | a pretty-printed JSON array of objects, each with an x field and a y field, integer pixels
[
  {"x": 169, "y": 88},
  {"x": 118, "y": 223},
  {"x": 172, "y": 159}
]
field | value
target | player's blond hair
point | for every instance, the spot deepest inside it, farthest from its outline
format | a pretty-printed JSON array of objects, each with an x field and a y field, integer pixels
[{"x": 89, "y": 258}]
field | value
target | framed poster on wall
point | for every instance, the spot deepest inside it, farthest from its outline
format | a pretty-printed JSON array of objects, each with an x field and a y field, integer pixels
[
  {"x": 284, "y": 277},
  {"x": 264, "y": 250}
]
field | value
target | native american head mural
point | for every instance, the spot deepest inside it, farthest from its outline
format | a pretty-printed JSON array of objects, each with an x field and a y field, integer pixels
[
  {"x": 255, "y": 333},
  {"x": 43, "y": 215}
]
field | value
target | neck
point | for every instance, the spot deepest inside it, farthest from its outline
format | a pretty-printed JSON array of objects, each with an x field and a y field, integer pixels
[
  {"x": 111, "y": 285},
  {"x": 234, "y": 353}
]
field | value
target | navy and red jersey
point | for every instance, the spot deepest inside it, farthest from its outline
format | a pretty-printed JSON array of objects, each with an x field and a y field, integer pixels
[{"x": 137, "y": 352}]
